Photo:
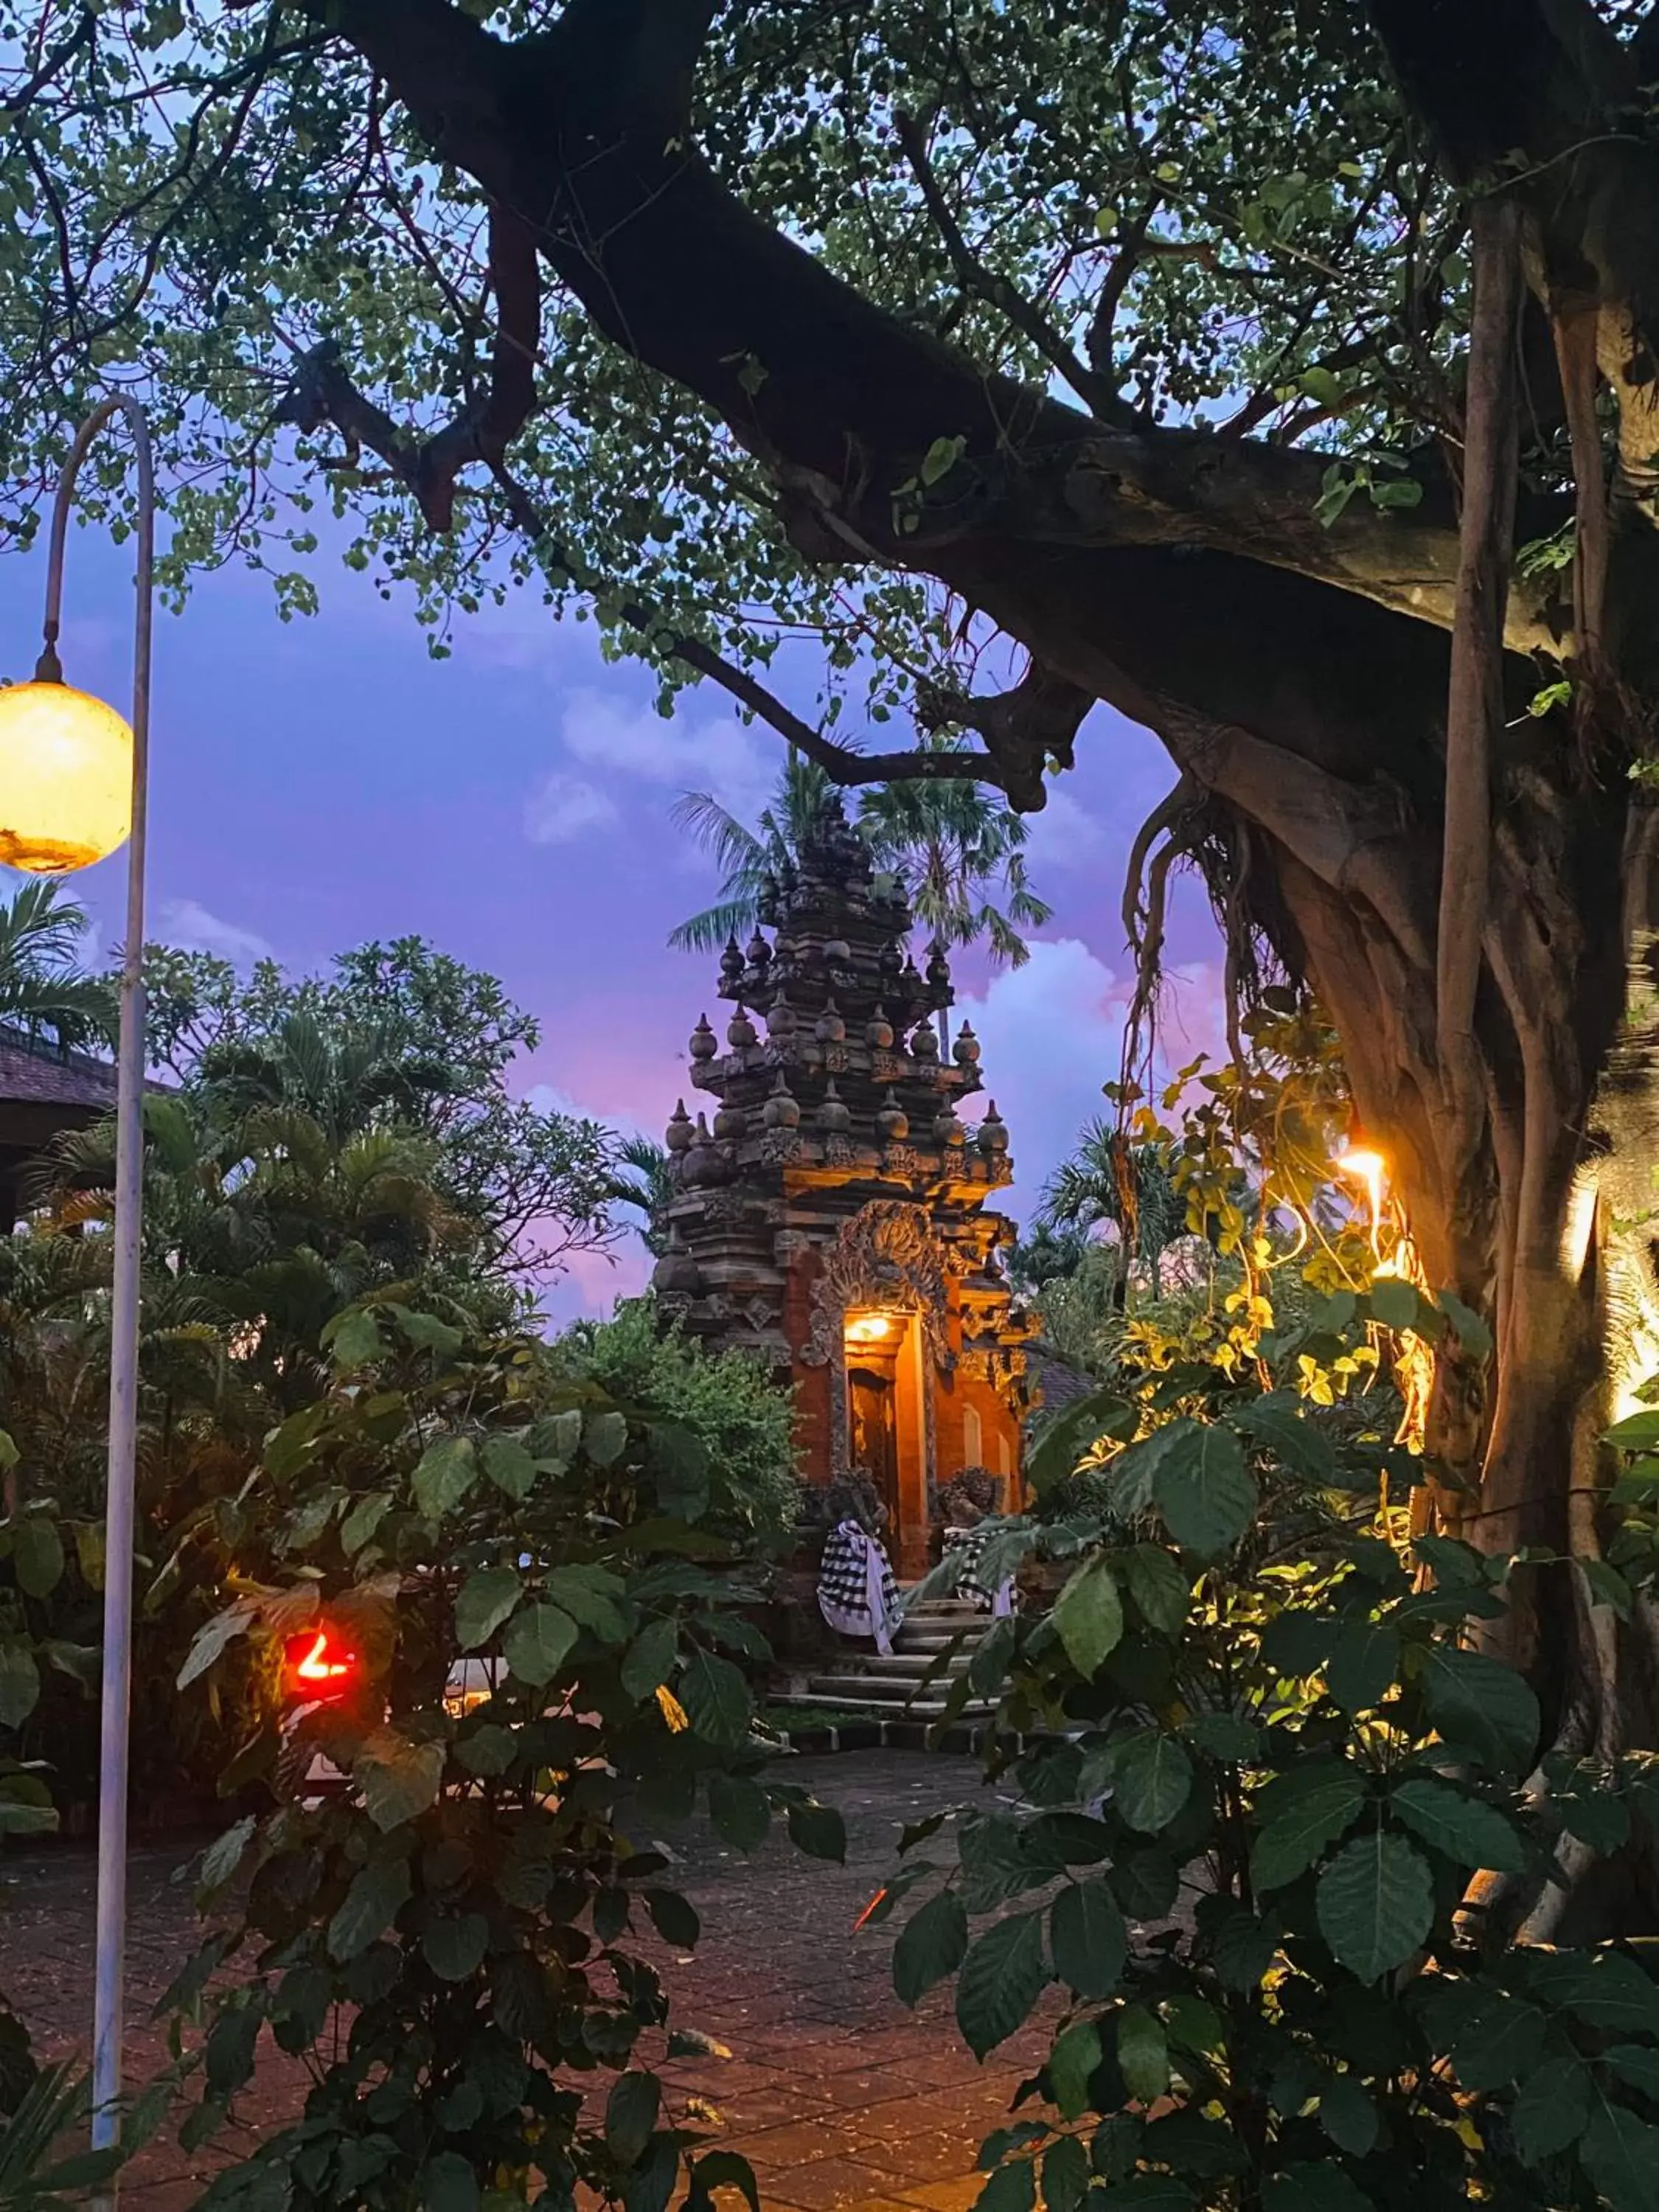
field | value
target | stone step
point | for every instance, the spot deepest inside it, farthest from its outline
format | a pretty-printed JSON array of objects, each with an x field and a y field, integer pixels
[
  {"x": 934, "y": 1639},
  {"x": 893, "y": 1691},
  {"x": 913, "y": 1665},
  {"x": 924, "y": 1709}
]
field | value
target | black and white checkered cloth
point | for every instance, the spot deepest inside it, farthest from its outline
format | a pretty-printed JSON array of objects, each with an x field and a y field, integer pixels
[
  {"x": 857, "y": 1594},
  {"x": 968, "y": 1546}
]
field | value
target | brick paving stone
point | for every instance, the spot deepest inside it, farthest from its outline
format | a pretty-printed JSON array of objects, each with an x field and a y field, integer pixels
[{"x": 846, "y": 2102}]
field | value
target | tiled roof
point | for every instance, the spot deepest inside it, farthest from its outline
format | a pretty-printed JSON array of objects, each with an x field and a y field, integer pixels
[
  {"x": 38, "y": 1075},
  {"x": 1052, "y": 1384}
]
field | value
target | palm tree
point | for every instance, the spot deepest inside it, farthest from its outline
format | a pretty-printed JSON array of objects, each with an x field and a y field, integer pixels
[
  {"x": 640, "y": 1179},
  {"x": 747, "y": 857},
  {"x": 42, "y": 986},
  {"x": 1089, "y": 1189},
  {"x": 942, "y": 842}
]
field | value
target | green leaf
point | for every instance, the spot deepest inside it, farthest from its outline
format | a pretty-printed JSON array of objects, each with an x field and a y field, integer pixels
[
  {"x": 454, "y": 1949},
  {"x": 449, "y": 2184},
  {"x": 1072, "y": 2063},
  {"x": 1159, "y": 1587},
  {"x": 717, "y": 1699},
  {"x": 1204, "y": 1492},
  {"x": 1143, "y": 2053},
  {"x": 364, "y": 1519},
  {"x": 539, "y": 1640},
  {"x": 589, "y": 1595},
  {"x": 1088, "y": 1939},
  {"x": 1348, "y": 2116},
  {"x": 447, "y": 1470},
  {"x": 1475, "y": 1700},
  {"x": 1501, "y": 2040},
  {"x": 224, "y": 1855},
  {"x": 1002, "y": 1976},
  {"x": 1474, "y": 1834},
  {"x": 630, "y": 2114},
  {"x": 1304, "y": 2187},
  {"x": 817, "y": 1830},
  {"x": 1312, "y": 1815},
  {"x": 1395, "y": 1303},
  {"x": 368, "y": 1908},
  {"x": 649, "y": 1660},
  {"x": 1636, "y": 2065},
  {"x": 1102, "y": 1416},
  {"x": 1012, "y": 2188},
  {"x": 1152, "y": 1780},
  {"x": 1278, "y": 1422},
  {"x": 1088, "y": 1617},
  {"x": 1224, "y": 1737},
  {"x": 721, "y": 2169},
  {"x": 1364, "y": 1666},
  {"x": 932, "y": 1945},
  {"x": 738, "y": 1810},
  {"x": 20, "y": 1682},
  {"x": 426, "y": 1332},
  {"x": 1146, "y": 2193},
  {"x": 1620, "y": 2154},
  {"x": 1065, "y": 2174},
  {"x": 1637, "y": 1432},
  {"x": 1551, "y": 2108},
  {"x": 509, "y": 1466},
  {"x": 673, "y": 1915},
  {"x": 353, "y": 1341},
  {"x": 37, "y": 1552},
  {"x": 398, "y": 1779},
  {"x": 483, "y": 1602},
  {"x": 604, "y": 1436},
  {"x": 1468, "y": 1327},
  {"x": 1146, "y": 1883},
  {"x": 211, "y": 1639},
  {"x": 1376, "y": 1905},
  {"x": 1605, "y": 1989}
]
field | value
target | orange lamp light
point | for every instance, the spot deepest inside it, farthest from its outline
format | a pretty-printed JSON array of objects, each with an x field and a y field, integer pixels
[
  {"x": 317, "y": 1666},
  {"x": 65, "y": 778}
]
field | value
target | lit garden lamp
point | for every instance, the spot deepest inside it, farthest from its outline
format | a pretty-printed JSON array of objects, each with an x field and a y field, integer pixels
[
  {"x": 1368, "y": 1168},
  {"x": 72, "y": 790}
]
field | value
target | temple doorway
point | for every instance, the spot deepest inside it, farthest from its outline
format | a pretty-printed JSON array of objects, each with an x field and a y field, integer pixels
[{"x": 881, "y": 1407}]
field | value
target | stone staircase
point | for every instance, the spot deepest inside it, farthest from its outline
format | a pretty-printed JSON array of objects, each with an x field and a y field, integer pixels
[{"x": 896, "y": 1688}]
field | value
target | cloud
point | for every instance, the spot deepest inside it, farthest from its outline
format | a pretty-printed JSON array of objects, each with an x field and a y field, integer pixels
[
  {"x": 610, "y": 749},
  {"x": 1051, "y": 1033},
  {"x": 1063, "y": 835},
  {"x": 188, "y": 925},
  {"x": 563, "y": 807}
]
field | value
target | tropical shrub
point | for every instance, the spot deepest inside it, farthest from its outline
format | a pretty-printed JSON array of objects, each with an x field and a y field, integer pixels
[
  {"x": 744, "y": 1422},
  {"x": 1281, "y": 1841},
  {"x": 438, "y": 1909}
]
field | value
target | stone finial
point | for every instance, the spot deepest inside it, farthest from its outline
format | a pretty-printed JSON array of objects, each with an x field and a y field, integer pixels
[
  {"x": 892, "y": 1121},
  {"x": 677, "y": 1135},
  {"x": 938, "y": 969},
  {"x": 730, "y": 1124},
  {"x": 676, "y": 1270},
  {"x": 759, "y": 954},
  {"x": 834, "y": 1114},
  {"x": 948, "y": 1131},
  {"x": 782, "y": 1109},
  {"x": 705, "y": 1045},
  {"x": 993, "y": 1132},
  {"x": 830, "y": 1029},
  {"x": 731, "y": 961},
  {"x": 740, "y": 1031},
  {"x": 878, "y": 1031},
  {"x": 924, "y": 1041},
  {"x": 837, "y": 949},
  {"x": 781, "y": 1019},
  {"x": 966, "y": 1050}
]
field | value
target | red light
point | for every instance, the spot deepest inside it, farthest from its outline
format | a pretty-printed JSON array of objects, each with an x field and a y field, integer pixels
[{"x": 316, "y": 1670}]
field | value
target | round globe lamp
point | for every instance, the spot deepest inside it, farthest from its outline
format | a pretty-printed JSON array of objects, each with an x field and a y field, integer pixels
[{"x": 65, "y": 778}]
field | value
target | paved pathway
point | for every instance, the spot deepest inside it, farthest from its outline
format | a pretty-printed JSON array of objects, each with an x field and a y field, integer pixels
[{"x": 840, "y": 2097}]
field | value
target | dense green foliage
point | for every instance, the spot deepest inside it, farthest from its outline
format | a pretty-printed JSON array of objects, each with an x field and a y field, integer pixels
[
  {"x": 446, "y": 1940},
  {"x": 1290, "y": 1807},
  {"x": 45, "y": 990},
  {"x": 742, "y": 1419}
]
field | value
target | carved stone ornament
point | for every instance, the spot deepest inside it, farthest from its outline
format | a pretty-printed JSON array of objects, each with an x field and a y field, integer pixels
[{"x": 885, "y": 1256}]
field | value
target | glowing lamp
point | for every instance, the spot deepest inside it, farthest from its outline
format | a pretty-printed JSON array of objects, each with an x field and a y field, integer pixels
[
  {"x": 318, "y": 1667},
  {"x": 868, "y": 1329},
  {"x": 65, "y": 778}
]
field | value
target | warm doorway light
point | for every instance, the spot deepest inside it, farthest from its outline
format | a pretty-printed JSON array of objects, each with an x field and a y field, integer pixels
[{"x": 869, "y": 1328}]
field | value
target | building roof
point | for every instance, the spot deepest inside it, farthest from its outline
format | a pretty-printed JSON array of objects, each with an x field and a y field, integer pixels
[
  {"x": 1054, "y": 1384},
  {"x": 35, "y": 1074}
]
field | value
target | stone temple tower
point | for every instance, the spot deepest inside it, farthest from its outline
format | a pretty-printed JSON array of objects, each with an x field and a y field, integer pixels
[{"x": 830, "y": 1211}]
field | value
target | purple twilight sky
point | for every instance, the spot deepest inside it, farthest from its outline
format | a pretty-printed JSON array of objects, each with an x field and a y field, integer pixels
[{"x": 321, "y": 781}]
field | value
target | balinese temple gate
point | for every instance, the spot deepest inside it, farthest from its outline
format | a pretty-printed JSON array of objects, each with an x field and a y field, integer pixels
[{"x": 830, "y": 1210}]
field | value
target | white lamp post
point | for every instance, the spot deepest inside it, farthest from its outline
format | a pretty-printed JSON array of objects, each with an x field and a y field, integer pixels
[{"x": 73, "y": 786}]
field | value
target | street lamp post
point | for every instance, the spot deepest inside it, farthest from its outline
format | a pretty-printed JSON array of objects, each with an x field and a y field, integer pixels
[{"x": 62, "y": 806}]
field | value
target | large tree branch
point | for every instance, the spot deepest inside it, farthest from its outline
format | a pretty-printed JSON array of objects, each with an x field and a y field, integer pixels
[
  {"x": 321, "y": 391},
  {"x": 1474, "y": 714}
]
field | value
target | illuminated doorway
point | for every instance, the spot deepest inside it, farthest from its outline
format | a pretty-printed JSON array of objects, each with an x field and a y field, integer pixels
[{"x": 880, "y": 1406}]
